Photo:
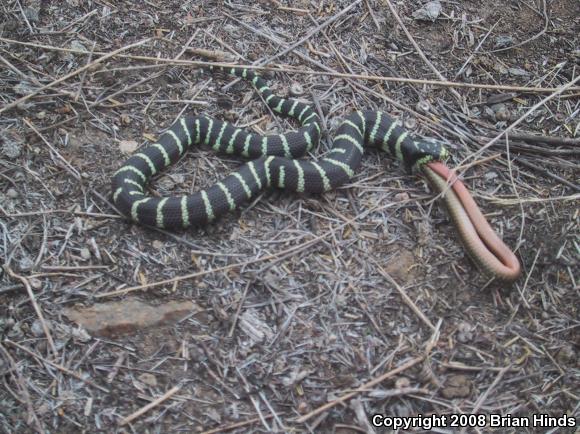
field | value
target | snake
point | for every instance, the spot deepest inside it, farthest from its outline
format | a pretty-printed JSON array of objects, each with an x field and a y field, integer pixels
[{"x": 275, "y": 161}]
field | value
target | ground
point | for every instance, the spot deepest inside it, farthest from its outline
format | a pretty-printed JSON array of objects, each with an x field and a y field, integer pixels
[{"x": 296, "y": 313}]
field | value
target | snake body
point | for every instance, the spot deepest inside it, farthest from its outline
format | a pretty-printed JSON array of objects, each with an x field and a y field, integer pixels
[{"x": 275, "y": 162}]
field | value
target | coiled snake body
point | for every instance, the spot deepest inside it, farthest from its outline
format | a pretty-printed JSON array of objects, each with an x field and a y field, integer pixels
[{"x": 276, "y": 164}]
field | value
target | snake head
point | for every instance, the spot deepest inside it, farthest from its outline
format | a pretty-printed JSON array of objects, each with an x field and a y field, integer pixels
[{"x": 423, "y": 152}]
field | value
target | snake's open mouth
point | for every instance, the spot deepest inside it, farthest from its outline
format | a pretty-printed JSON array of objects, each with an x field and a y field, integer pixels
[{"x": 481, "y": 242}]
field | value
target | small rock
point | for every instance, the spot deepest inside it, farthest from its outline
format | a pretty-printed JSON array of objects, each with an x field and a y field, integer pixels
[
  {"x": 400, "y": 197},
  {"x": 79, "y": 334},
  {"x": 254, "y": 327},
  {"x": 166, "y": 183},
  {"x": 399, "y": 265},
  {"x": 128, "y": 316},
  {"x": 78, "y": 45},
  {"x": 148, "y": 379},
  {"x": 464, "y": 332},
  {"x": 37, "y": 329},
  {"x": 302, "y": 407},
  {"x": 500, "y": 68},
  {"x": 224, "y": 102},
  {"x": 429, "y": 12},
  {"x": 85, "y": 253},
  {"x": 230, "y": 116},
  {"x": 456, "y": 386},
  {"x": 11, "y": 144},
  {"x": 518, "y": 72},
  {"x": 31, "y": 14},
  {"x": 503, "y": 41},
  {"x": 501, "y": 112},
  {"x": 423, "y": 106},
  {"x": 128, "y": 146},
  {"x": 490, "y": 175},
  {"x": 12, "y": 193},
  {"x": 35, "y": 283},
  {"x": 296, "y": 89},
  {"x": 567, "y": 356},
  {"x": 26, "y": 263},
  {"x": 410, "y": 123},
  {"x": 402, "y": 383},
  {"x": 23, "y": 88}
]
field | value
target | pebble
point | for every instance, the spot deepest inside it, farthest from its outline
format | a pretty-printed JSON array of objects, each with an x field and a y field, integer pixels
[
  {"x": 148, "y": 379},
  {"x": 85, "y": 253},
  {"x": 429, "y": 12},
  {"x": 37, "y": 329},
  {"x": 464, "y": 332},
  {"x": 302, "y": 407},
  {"x": 410, "y": 123},
  {"x": 12, "y": 146},
  {"x": 31, "y": 14},
  {"x": 566, "y": 355},
  {"x": 456, "y": 386},
  {"x": 296, "y": 89},
  {"x": 501, "y": 112},
  {"x": 403, "y": 196},
  {"x": 402, "y": 383},
  {"x": 128, "y": 146},
  {"x": 26, "y": 263},
  {"x": 423, "y": 106},
  {"x": 23, "y": 88},
  {"x": 503, "y": 41},
  {"x": 12, "y": 193},
  {"x": 35, "y": 283}
]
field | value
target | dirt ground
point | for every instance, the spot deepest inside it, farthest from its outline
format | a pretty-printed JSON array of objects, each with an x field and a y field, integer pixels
[{"x": 297, "y": 313}]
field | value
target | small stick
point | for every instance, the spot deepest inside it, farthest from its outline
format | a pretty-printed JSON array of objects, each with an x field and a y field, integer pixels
[
  {"x": 530, "y": 39},
  {"x": 84, "y": 75},
  {"x": 149, "y": 406},
  {"x": 36, "y": 307},
  {"x": 291, "y": 250},
  {"x": 508, "y": 202},
  {"x": 543, "y": 171},
  {"x": 481, "y": 400},
  {"x": 124, "y": 90},
  {"x": 21, "y": 382},
  {"x": 238, "y": 310},
  {"x": 290, "y": 70},
  {"x": 25, "y": 17},
  {"x": 237, "y": 425},
  {"x": 312, "y": 32},
  {"x": 531, "y": 110},
  {"x": 69, "y": 167},
  {"x": 418, "y": 49},
  {"x": 458, "y": 73},
  {"x": 377, "y": 380},
  {"x": 550, "y": 140},
  {"x": 57, "y": 366},
  {"x": 72, "y": 74},
  {"x": 405, "y": 297}
]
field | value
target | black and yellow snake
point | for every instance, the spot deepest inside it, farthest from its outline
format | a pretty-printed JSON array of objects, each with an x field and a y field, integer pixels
[{"x": 276, "y": 164}]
